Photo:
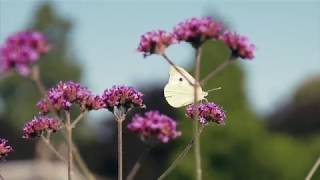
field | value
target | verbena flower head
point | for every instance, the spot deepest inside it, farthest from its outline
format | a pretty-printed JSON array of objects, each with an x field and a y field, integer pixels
[
  {"x": 155, "y": 42},
  {"x": 39, "y": 125},
  {"x": 5, "y": 149},
  {"x": 239, "y": 45},
  {"x": 64, "y": 94},
  {"x": 21, "y": 50},
  {"x": 197, "y": 30},
  {"x": 207, "y": 112},
  {"x": 93, "y": 102},
  {"x": 122, "y": 97},
  {"x": 154, "y": 125}
]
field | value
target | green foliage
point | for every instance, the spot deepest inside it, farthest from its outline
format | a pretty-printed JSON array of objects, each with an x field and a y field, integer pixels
[{"x": 242, "y": 149}]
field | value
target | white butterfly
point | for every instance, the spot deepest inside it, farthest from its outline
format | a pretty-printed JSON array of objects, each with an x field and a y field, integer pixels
[{"x": 178, "y": 91}]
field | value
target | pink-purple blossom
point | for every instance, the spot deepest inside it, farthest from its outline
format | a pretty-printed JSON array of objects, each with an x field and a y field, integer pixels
[
  {"x": 39, "y": 125},
  {"x": 21, "y": 50},
  {"x": 154, "y": 125},
  {"x": 207, "y": 112},
  {"x": 5, "y": 149},
  {"x": 155, "y": 42},
  {"x": 197, "y": 30},
  {"x": 122, "y": 96},
  {"x": 239, "y": 45},
  {"x": 64, "y": 94}
]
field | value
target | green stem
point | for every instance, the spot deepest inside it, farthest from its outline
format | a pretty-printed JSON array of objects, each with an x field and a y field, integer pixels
[
  {"x": 70, "y": 143},
  {"x": 313, "y": 169},
  {"x": 180, "y": 157},
  {"x": 82, "y": 165},
  {"x": 138, "y": 164},
  {"x": 120, "y": 117},
  {"x": 217, "y": 70},
  {"x": 52, "y": 148},
  {"x": 197, "y": 150}
]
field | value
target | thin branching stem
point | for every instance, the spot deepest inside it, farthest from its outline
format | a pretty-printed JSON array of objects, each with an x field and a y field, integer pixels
[
  {"x": 216, "y": 71},
  {"x": 82, "y": 165},
  {"x": 138, "y": 163},
  {"x": 177, "y": 69},
  {"x": 180, "y": 157},
  {"x": 69, "y": 144},
  {"x": 120, "y": 117},
  {"x": 78, "y": 119},
  {"x": 197, "y": 149},
  {"x": 52, "y": 148},
  {"x": 313, "y": 169},
  {"x": 36, "y": 78}
]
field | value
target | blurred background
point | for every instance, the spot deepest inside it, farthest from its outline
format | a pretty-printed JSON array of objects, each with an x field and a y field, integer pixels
[{"x": 272, "y": 103}]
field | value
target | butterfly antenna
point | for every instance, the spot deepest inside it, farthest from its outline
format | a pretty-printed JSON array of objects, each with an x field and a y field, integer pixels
[{"x": 214, "y": 89}]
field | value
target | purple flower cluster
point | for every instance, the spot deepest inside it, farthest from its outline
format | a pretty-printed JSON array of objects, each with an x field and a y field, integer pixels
[
  {"x": 207, "y": 112},
  {"x": 5, "y": 149},
  {"x": 22, "y": 50},
  {"x": 239, "y": 45},
  {"x": 155, "y": 42},
  {"x": 197, "y": 30},
  {"x": 64, "y": 94},
  {"x": 154, "y": 124},
  {"x": 40, "y": 124},
  {"x": 122, "y": 96}
]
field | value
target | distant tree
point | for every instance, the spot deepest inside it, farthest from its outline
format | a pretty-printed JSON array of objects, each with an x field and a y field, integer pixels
[{"x": 300, "y": 117}]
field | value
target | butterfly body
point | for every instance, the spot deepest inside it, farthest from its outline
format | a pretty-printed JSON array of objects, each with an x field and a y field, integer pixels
[{"x": 178, "y": 91}]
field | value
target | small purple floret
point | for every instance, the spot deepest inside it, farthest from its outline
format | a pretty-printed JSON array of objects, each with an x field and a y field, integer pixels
[
  {"x": 122, "y": 96},
  {"x": 64, "y": 94},
  {"x": 155, "y": 42},
  {"x": 239, "y": 45},
  {"x": 21, "y": 50},
  {"x": 154, "y": 124},
  {"x": 207, "y": 112},
  {"x": 197, "y": 30},
  {"x": 5, "y": 149},
  {"x": 39, "y": 125}
]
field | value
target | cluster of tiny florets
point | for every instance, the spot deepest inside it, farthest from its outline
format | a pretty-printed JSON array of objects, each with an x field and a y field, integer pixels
[
  {"x": 39, "y": 125},
  {"x": 64, "y": 94},
  {"x": 155, "y": 42},
  {"x": 21, "y": 50},
  {"x": 154, "y": 125},
  {"x": 207, "y": 112},
  {"x": 5, "y": 149},
  {"x": 197, "y": 30},
  {"x": 239, "y": 45},
  {"x": 122, "y": 96}
]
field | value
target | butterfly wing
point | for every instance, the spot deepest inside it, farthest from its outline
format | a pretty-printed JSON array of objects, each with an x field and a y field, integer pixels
[
  {"x": 178, "y": 95},
  {"x": 178, "y": 92}
]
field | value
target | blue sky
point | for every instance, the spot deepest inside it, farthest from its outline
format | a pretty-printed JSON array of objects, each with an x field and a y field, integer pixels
[{"x": 105, "y": 34}]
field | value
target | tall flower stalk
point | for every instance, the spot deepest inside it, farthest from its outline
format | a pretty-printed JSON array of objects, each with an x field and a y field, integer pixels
[
  {"x": 120, "y": 100},
  {"x": 69, "y": 142},
  {"x": 197, "y": 148},
  {"x": 120, "y": 116}
]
